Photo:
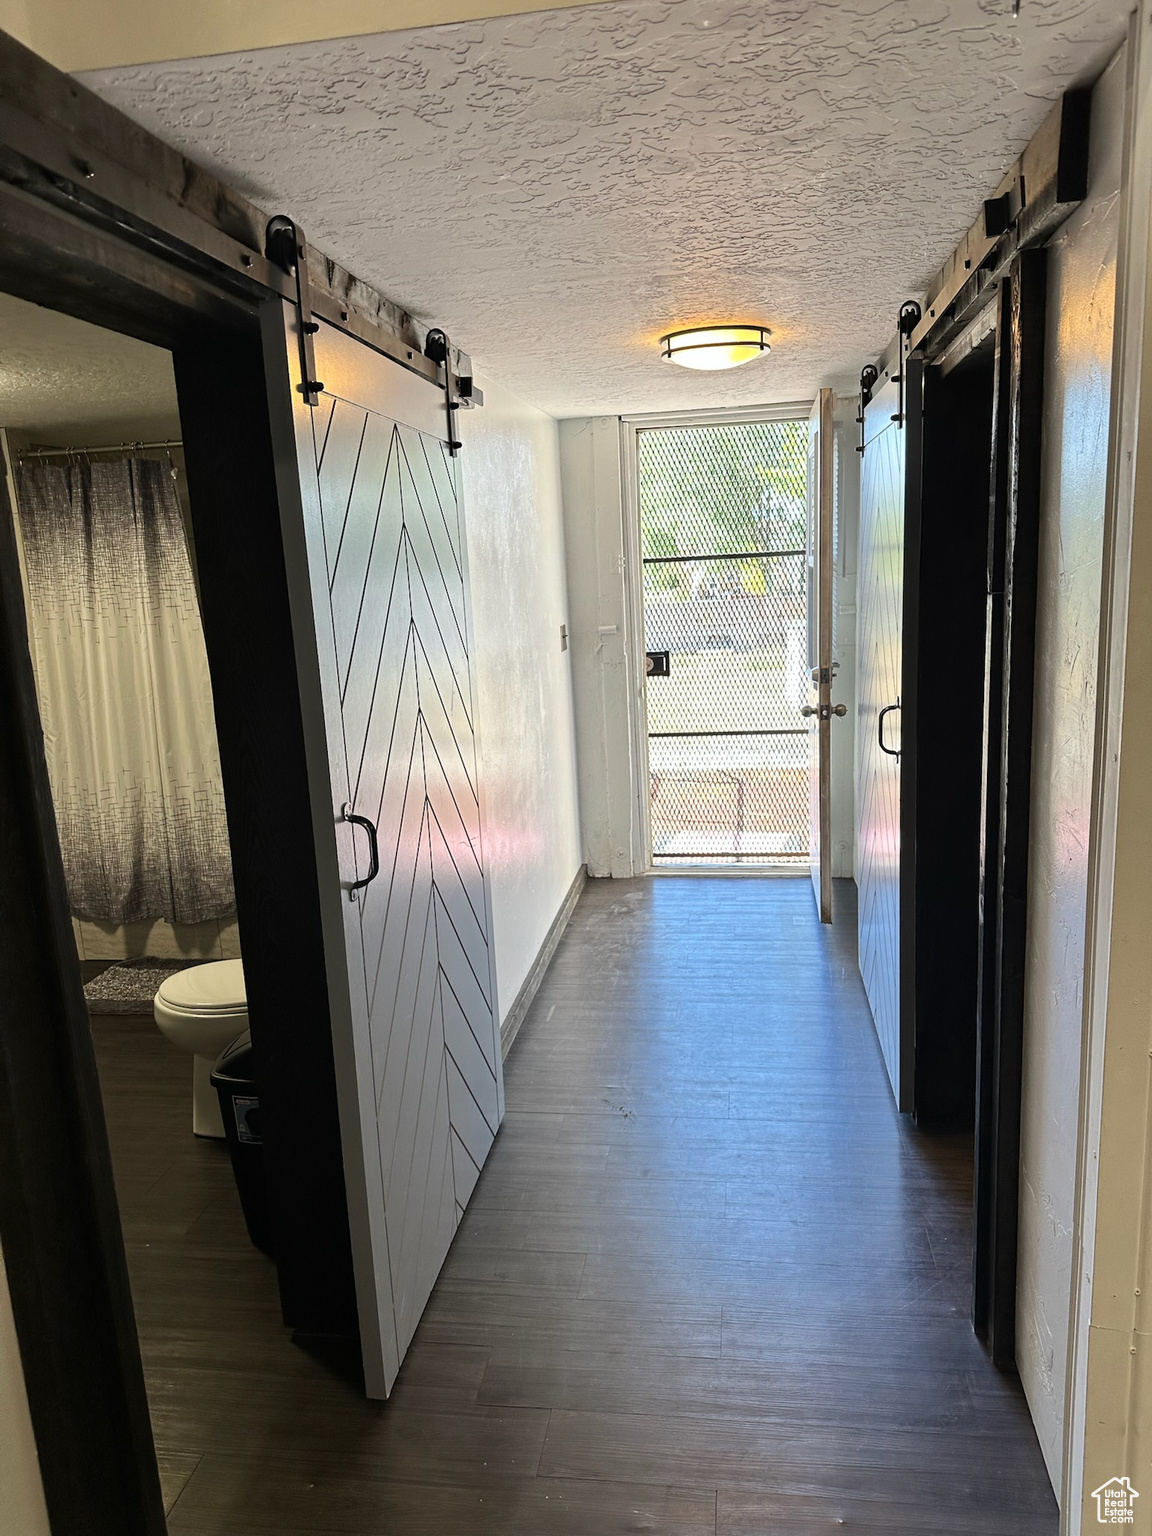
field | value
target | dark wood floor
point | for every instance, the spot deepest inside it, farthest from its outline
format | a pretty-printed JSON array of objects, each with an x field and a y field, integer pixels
[{"x": 710, "y": 1284}]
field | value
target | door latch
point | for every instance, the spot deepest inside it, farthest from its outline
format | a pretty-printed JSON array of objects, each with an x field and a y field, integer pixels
[{"x": 823, "y": 711}]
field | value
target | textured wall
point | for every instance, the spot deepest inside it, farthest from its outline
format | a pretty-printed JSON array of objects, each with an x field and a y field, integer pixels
[
  {"x": 558, "y": 188},
  {"x": 590, "y": 458},
  {"x": 844, "y": 637},
  {"x": 516, "y": 568},
  {"x": 1081, "y": 301}
]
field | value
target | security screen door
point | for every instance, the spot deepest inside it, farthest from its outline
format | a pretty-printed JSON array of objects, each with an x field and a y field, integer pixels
[
  {"x": 383, "y": 628},
  {"x": 723, "y": 522},
  {"x": 819, "y": 709}
]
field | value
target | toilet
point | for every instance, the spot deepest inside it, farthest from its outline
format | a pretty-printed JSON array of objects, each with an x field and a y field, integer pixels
[{"x": 202, "y": 1009}]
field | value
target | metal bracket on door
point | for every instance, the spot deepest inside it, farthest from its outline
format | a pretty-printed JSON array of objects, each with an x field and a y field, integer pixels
[
  {"x": 350, "y": 816},
  {"x": 868, "y": 376},
  {"x": 438, "y": 349},
  {"x": 284, "y": 243},
  {"x": 906, "y": 322}
]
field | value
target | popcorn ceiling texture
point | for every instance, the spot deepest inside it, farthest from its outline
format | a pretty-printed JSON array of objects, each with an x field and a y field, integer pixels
[
  {"x": 556, "y": 189},
  {"x": 63, "y": 380}
]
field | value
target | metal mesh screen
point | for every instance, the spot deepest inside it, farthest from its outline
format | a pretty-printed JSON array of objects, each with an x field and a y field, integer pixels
[{"x": 723, "y": 523}]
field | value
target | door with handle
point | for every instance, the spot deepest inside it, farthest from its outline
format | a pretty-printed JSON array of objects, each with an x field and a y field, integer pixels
[
  {"x": 880, "y": 741},
  {"x": 819, "y": 710},
  {"x": 383, "y": 628},
  {"x": 351, "y": 817},
  {"x": 879, "y": 683}
]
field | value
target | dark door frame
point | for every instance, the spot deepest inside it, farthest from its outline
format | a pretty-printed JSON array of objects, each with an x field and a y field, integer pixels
[
  {"x": 100, "y": 220},
  {"x": 1010, "y": 647},
  {"x": 1002, "y": 260},
  {"x": 944, "y": 679},
  {"x": 58, "y": 1211}
]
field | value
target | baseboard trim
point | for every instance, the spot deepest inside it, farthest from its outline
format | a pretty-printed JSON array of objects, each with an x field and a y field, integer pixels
[
  {"x": 519, "y": 1009},
  {"x": 729, "y": 871}
]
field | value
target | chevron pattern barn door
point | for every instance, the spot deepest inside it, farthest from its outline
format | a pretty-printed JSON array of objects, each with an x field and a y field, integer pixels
[
  {"x": 880, "y": 606},
  {"x": 388, "y": 569}
]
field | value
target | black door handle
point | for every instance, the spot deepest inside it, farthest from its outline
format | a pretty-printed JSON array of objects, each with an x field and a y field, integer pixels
[
  {"x": 887, "y": 710},
  {"x": 350, "y": 815}
]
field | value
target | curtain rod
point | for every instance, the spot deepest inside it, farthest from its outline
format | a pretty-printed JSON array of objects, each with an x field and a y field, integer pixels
[{"x": 64, "y": 453}]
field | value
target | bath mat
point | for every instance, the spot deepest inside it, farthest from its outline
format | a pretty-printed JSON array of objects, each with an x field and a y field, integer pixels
[{"x": 130, "y": 985}]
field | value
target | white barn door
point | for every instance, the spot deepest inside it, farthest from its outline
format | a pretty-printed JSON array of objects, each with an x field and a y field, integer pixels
[
  {"x": 879, "y": 659},
  {"x": 387, "y": 637}
]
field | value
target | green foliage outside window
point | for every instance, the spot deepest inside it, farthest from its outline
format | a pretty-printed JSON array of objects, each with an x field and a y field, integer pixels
[{"x": 723, "y": 490}]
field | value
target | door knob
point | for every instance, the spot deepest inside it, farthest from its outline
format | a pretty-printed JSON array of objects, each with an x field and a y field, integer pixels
[{"x": 824, "y": 711}]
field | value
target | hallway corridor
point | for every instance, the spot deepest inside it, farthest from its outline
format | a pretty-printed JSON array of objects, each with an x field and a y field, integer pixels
[{"x": 710, "y": 1284}]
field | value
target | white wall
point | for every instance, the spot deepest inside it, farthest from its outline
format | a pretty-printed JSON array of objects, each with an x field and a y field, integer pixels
[
  {"x": 511, "y": 472},
  {"x": 1110, "y": 1398},
  {"x": 1081, "y": 306},
  {"x": 590, "y": 457},
  {"x": 22, "y": 1510},
  {"x": 847, "y": 503}
]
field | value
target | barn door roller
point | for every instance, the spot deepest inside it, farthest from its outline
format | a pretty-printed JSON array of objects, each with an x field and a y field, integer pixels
[
  {"x": 906, "y": 322},
  {"x": 438, "y": 349},
  {"x": 868, "y": 376},
  {"x": 284, "y": 243}
]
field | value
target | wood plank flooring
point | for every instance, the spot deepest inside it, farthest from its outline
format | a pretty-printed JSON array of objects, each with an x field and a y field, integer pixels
[{"x": 710, "y": 1283}]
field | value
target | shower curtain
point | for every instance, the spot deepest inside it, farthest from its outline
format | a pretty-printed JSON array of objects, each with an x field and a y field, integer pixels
[{"x": 125, "y": 697}]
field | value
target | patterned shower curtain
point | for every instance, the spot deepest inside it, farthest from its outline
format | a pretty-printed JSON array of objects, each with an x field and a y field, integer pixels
[{"x": 125, "y": 697}]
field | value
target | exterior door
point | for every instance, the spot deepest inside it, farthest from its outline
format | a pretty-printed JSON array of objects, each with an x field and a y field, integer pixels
[
  {"x": 819, "y": 708},
  {"x": 722, "y": 533},
  {"x": 383, "y": 629},
  {"x": 879, "y": 681}
]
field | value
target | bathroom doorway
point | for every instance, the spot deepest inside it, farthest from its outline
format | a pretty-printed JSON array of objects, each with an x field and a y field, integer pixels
[{"x": 147, "y": 722}]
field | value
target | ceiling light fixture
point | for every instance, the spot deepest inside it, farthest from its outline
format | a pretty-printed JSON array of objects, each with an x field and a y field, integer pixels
[{"x": 715, "y": 346}]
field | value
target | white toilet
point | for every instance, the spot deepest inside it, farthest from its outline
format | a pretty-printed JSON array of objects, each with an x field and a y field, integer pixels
[{"x": 203, "y": 1009}]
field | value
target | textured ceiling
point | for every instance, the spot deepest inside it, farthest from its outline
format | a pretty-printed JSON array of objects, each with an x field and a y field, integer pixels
[
  {"x": 557, "y": 189},
  {"x": 63, "y": 381}
]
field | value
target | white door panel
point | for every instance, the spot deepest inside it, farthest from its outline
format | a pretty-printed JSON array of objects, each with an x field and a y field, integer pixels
[
  {"x": 880, "y": 605},
  {"x": 409, "y": 954}
]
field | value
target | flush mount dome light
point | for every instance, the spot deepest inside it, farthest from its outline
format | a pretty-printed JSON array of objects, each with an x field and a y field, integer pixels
[{"x": 715, "y": 346}]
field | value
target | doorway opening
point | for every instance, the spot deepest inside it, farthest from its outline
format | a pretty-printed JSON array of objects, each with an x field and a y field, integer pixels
[
  {"x": 91, "y": 430},
  {"x": 723, "y": 530},
  {"x": 150, "y": 682}
]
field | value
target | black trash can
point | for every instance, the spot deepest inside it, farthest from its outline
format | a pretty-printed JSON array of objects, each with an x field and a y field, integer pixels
[{"x": 234, "y": 1079}]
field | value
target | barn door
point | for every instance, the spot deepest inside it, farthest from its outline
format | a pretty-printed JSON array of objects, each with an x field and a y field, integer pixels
[
  {"x": 382, "y": 615},
  {"x": 819, "y": 707},
  {"x": 880, "y": 605}
]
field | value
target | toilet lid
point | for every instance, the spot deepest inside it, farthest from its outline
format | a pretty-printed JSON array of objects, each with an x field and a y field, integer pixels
[{"x": 217, "y": 987}]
